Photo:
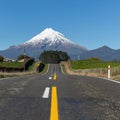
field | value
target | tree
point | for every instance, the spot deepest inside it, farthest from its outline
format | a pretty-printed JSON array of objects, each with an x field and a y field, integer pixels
[
  {"x": 95, "y": 59},
  {"x": 21, "y": 57},
  {"x": 1, "y": 58},
  {"x": 53, "y": 56}
]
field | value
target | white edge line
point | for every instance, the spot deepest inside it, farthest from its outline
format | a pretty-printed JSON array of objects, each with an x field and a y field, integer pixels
[
  {"x": 47, "y": 69},
  {"x": 62, "y": 69},
  {"x": 110, "y": 80},
  {"x": 46, "y": 93},
  {"x": 115, "y": 81}
]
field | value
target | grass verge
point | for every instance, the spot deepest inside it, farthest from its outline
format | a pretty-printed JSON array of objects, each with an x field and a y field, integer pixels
[
  {"x": 94, "y": 72},
  {"x": 91, "y": 63},
  {"x": 32, "y": 70}
]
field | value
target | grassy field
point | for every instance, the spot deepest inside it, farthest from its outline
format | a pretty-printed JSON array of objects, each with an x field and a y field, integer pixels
[
  {"x": 32, "y": 67},
  {"x": 94, "y": 68},
  {"x": 92, "y": 63},
  {"x": 11, "y": 64},
  {"x": 31, "y": 70}
]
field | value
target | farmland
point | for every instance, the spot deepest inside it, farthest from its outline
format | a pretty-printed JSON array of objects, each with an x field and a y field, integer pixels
[
  {"x": 92, "y": 63},
  {"x": 11, "y": 64}
]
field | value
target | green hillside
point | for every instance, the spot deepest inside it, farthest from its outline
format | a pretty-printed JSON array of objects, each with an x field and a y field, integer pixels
[{"x": 92, "y": 63}]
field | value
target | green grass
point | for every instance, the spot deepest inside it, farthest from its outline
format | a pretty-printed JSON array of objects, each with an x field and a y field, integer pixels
[
  {"x": 31, "y": 68},
  {"x": 11, "y": 64},
  {"x": 91, "y": 63}
]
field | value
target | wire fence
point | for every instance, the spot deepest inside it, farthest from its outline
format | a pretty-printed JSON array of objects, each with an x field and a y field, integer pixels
[{"x": 99, "y": 71}]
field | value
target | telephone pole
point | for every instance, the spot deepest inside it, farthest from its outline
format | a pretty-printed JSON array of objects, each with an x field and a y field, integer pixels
[{"x": 24, "y": 58}]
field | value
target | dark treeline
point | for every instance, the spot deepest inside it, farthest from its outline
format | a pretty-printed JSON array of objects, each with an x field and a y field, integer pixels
[{"x": 53, "y": 56}]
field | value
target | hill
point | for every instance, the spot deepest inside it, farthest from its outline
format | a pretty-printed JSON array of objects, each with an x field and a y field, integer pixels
[
  {"x": 105, "y": 53},
  {"x": 48, "y": 39}
]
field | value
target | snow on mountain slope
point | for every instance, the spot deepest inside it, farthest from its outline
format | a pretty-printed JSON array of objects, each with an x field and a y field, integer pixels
[{"x": 49, "y": 35}]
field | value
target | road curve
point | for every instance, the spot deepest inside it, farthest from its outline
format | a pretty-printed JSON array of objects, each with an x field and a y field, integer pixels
[{"x": 74, "y": 97}]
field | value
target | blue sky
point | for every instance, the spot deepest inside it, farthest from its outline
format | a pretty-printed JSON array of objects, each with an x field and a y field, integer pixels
[{"x": 90, "y": 23}]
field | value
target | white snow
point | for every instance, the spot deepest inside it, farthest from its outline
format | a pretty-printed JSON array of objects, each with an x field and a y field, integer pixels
[{"x": 49, "y": 35}]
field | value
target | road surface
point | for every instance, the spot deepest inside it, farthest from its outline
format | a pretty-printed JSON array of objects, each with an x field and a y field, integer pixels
[{"x": 56, "y": 96}]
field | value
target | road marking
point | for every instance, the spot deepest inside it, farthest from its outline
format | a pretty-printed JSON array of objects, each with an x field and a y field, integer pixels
[
  {"x": 47, "y": 69},
  {"x": 46, "y": 93},
  {"x": 62, "y": 69},
  {"x": 55, "y": 77},
  {"x": 54, "y": 105},
  {"x": 50, "y": 78},
  {"x": 111, "y": 80}
]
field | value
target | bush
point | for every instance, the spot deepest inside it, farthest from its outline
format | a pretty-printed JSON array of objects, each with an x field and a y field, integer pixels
[
  {"x": 40, "y": 67},
  {"x": 1, "y": 58},
  {"x": 21, "y": 57},
  {"x": 53, "y": 56},
  {"x": 94, "y": 59},
  {"x": 28, "y": 63}
]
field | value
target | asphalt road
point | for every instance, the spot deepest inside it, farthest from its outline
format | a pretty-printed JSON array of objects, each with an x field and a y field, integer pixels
[{"x": 78, "y": 98}]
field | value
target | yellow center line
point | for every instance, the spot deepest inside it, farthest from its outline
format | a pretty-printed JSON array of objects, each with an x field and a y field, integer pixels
[
  {"x": 55, "y": 77},
  {"x": 54, "y": 105}
]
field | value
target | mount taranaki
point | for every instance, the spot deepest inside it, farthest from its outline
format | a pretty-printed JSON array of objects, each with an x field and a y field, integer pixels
[{"x": 49, "y": 39}]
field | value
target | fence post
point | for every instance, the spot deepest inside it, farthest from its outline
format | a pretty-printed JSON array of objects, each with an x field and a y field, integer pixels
[{"x": 108, "y": 71}]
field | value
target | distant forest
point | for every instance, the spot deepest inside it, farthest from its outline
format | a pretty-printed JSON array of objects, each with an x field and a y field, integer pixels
[{"x": 53, "y": 56}]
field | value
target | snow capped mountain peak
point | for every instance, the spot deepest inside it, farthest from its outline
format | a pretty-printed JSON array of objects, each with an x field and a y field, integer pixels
[
  {"x": 49, "y": 39},
  {"x": 49, "y": 35}
]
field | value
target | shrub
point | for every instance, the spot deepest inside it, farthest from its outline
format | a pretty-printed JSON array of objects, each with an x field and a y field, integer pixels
[
  {"x": 1, "y": 58},
  {"x": 21, "y": 57},
  {"x": 53, "y": 56}
]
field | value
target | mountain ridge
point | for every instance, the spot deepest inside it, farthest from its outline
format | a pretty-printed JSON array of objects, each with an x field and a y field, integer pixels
[
  {"x": 48, "y": 39},
  {"x": 105, "y": 53}
]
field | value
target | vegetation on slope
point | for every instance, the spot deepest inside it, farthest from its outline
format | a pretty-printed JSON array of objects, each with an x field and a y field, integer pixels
[
  {"x": 92, "y": 63},
  {"x": 53, "y": 56},
  {"x": 16, "y": 66}
]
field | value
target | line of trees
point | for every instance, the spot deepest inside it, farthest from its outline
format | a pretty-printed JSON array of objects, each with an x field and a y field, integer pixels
[{"x": 53, "y": 56}]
